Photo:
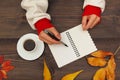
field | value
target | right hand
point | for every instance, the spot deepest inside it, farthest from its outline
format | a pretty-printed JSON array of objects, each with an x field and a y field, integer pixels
[{"x": 44, "y": 37}]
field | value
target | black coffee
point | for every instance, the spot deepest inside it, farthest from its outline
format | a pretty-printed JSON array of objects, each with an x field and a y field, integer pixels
[{"x": 29, "y": 45}]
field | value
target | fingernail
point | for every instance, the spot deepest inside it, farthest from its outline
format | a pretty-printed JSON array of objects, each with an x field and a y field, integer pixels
[
  {"x": 83, "y": 25},
  {"x": 58, "y": 36},
  {"x": 84, "y": 28}
]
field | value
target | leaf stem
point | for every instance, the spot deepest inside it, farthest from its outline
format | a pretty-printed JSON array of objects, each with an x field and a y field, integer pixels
[{"x": 117, "y": 50}]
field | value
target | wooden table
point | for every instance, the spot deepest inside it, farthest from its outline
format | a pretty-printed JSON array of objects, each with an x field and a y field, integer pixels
[{"x": 64, "y": 15}]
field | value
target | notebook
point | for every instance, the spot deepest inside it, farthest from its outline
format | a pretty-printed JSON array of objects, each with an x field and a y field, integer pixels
[{"x": 79, "y": 44}]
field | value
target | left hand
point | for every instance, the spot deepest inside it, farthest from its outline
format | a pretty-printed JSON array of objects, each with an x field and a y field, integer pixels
[{"x": 89, "y": 21}]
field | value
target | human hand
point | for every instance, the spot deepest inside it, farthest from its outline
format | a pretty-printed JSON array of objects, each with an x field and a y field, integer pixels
[
  {"x": 89, "y": 21},
  {"x": 47, "y": 39}
]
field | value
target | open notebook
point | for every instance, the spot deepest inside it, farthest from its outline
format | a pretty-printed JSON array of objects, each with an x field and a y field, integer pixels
[{"x": 79, "y": 44}]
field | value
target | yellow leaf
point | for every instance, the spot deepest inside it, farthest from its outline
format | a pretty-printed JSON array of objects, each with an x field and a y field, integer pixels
[
  {"x": 93, "y": 61},
  {"x": 110, "y": 69},
  {"x": 71, "y": 76},
  {"x": 100, "y": 74},
  {"x": 46, "y": 72},
  {"x": 99, "y": 58},
  {"x": 101, "y": 54}
]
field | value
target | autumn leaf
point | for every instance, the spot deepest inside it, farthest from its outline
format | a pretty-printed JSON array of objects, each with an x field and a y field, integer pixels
[
  {"x": 6, "y": 63},
  {"x": 110, "y": 69},
  {"x": 46, "y": 72},
  {"x": 4, "y": 74},
  {"x": 99, "y": 58},
  {"x": 71, "y": 76},
  {"x": 106, "y": 73},
  {"x": 96, "y": 61},
  {"x": 101, "y": 54},
  {"x": 100, "y": 74},
  {"x": 7, "y": 66},
  {"x": 1, "y": 59},
  {"x": 1, "y": 75}
]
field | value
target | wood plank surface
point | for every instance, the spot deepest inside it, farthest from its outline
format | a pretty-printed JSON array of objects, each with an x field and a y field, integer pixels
[{"x": 65, "y": 14}]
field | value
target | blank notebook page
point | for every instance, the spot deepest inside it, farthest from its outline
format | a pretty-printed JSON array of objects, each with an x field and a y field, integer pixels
[{"x": 79, "y": 44}]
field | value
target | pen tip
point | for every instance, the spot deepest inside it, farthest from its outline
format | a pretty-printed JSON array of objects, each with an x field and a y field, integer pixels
[{"x": 66, "y": 45}]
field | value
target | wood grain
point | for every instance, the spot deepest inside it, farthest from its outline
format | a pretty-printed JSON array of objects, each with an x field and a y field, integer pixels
[{"x": 65, "y": 15}]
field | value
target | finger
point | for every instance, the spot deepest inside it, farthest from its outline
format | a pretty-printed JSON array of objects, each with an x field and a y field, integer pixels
[
  {"x": 44, "y": 40},
  {"x": 84, "y": 22},
  {"x": 55, "y": 32},
  {"x": 48, "y": 38},
  {"x": 91, "y": 21},
  {"x": 96, "y": 22}
]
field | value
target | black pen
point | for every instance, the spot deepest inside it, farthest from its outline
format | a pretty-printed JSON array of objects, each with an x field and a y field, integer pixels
[{"x": 54, "y": 37}]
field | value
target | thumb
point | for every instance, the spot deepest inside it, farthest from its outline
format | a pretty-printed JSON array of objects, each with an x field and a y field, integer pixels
[{"x": 55, "y": 32}]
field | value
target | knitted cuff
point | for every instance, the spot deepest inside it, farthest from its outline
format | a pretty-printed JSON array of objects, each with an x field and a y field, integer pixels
[
  {"x": 89, "y": 9},
  {"x": 43, "y": 24}
]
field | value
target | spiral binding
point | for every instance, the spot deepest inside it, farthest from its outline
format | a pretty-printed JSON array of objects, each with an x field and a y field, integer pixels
[{"x": 73, "y": 44}]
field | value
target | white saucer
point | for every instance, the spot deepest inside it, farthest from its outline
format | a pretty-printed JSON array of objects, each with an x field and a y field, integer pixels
[{"x": 35, "y": 53}]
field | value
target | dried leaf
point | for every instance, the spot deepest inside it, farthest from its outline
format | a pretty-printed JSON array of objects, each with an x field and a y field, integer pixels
[
  {"x": 100, "y": 74},
  {"x": 101, "y": 54},
  {"x": 4, "y": 74},
  {"x": 107, "y": 72},
  {"x": 6, "y": 63},
  {"x": 110, "y": 69},
  {"x": 1, "y": 59},
  {"x": 1, "y": 75},
  {"x": 46, "y": 72},
  {"x": 96, "y": 61},
  {"x": 71, "y": 76},
  {"x": 6, "y": 66}
]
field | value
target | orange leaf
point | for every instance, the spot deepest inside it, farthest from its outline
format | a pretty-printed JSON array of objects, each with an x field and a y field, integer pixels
[
  {"x": 110, "y": 69},
  {"x": 96, "y": 61},
  {"x": 5, "y": 67},
  {"x": 71, "y": 76},
  {"x": 46, "y": 72},
  {"x": 100, "y": 74},
  {"x": 6, "y": 63},
  {"x": 99, "y": 59},
  {"x": 8, "y": 68},
  {"x": 101, "y": 54},
  {"x": 1, "y": 75},
  {"x": 1, "y": 59},
  {"x": 4, "y": 74}
]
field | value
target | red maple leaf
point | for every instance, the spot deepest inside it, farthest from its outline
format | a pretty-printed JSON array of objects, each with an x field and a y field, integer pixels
[{"x": 5, "y": 67}]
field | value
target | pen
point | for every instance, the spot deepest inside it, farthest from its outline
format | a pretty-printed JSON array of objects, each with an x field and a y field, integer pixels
[{"x": 54, "y": 37}]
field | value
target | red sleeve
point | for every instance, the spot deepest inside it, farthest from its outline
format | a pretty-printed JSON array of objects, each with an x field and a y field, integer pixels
[
  {"x": 89, "y": 9},
  {"x": 42, "y": 24}
]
